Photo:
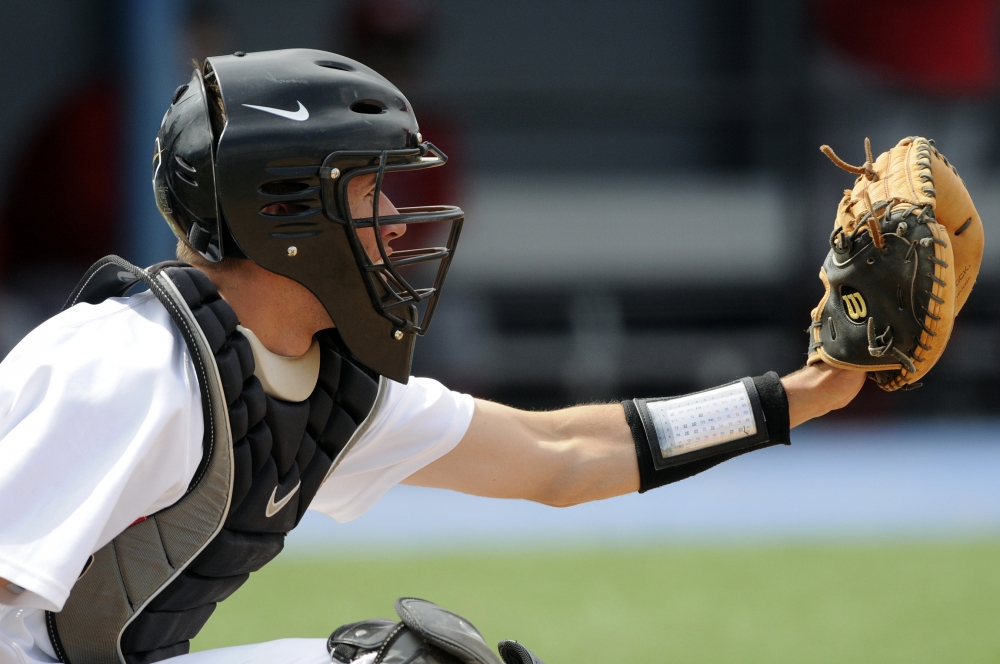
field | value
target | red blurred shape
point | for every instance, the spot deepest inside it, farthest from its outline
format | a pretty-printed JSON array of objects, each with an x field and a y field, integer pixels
[
  {"x": 430, "y": 186},
  {"x": 61, "y": 205},
  {"x": 390, "y": 20},
  {"x": 938, "y": 46}
]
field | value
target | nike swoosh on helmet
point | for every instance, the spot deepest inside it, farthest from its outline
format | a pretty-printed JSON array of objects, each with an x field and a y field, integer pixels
[
  {"x": 275, "y": 507},
  {"x": 299, "y": 115}
]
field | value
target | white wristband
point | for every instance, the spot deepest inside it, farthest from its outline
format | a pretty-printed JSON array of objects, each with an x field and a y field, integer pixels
[{"x": 694, "y": 426}]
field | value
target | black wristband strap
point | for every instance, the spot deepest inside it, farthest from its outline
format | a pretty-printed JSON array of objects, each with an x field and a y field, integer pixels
[{"x": 774, "y": 406}]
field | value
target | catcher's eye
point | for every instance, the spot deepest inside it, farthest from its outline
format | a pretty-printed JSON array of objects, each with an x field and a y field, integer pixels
[
  {"x": 284, "y": 209},
  {"x": 871, "y": 260}
]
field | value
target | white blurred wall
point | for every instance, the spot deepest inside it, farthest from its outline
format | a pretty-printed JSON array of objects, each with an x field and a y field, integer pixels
[{"x": 563, "y": 228}]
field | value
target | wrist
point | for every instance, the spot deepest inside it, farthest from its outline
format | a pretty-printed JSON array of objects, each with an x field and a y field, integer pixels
[
  {"x": 677, "y": 437},
  {"x": 815, "y": 390}
]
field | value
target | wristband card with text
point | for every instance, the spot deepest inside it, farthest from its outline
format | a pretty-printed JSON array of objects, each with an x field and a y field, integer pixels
[{"x": 703, "y": 424}]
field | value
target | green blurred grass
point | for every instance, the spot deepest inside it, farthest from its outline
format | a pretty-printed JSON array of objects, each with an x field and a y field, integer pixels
[{"x": 906, "y": 602}]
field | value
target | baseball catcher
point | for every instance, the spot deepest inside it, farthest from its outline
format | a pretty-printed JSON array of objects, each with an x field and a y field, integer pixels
[
  {"x": 904, "y": 254},
  {"x": 162, "y": 435}
]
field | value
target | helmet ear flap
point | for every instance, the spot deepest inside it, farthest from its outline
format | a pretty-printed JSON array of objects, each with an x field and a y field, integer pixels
[
  {"x": 184, "y": 170},
  {"x": 199, "y": 238}
]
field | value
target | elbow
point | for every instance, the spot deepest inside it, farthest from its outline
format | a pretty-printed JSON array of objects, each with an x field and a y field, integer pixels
[
  {"x": 553, "y": 502},
  {"x": 560, "y": 496},
  {"x": 562, "y": 503},
  {"x": 573, "y": 481}
]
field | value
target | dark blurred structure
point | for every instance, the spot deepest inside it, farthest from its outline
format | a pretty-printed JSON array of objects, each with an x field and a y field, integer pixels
[
  {"x": 647, "y": 207},
  {"x": 61, "y": 210}
]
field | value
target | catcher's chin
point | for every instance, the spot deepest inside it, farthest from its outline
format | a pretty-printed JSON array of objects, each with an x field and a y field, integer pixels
[{"x": 817, "y": 389}]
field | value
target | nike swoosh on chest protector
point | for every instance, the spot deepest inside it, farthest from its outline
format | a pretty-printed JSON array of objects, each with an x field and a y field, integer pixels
[
  {"x": 299, "y": 115},
  {"x": 275, "y": 507}
]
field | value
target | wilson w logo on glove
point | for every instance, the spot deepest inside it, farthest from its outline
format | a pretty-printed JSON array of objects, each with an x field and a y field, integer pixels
[
  {"x": 855, "y": 306},
  {"x": 908, "y": 236}
]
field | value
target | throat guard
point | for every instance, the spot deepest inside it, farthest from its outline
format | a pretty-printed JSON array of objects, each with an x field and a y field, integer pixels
[{"x": 145, "y": 594}]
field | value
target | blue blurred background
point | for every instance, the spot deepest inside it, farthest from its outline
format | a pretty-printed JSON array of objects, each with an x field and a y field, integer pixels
[{"x": 647, "y": 211}]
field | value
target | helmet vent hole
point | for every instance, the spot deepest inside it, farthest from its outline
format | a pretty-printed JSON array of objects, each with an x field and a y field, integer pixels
[
  {"x": 330, "y": 64},
  {"x": 185, "y": 164},
  {"x": 283, "y": 187},
  {"x": 185, "y": 178},
  {"x": 368, "y": 107},
  {"x": 284, "y": 209}
]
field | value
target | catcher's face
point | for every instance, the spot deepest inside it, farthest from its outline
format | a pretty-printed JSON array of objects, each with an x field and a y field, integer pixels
[{"x": 361, "y": 197}]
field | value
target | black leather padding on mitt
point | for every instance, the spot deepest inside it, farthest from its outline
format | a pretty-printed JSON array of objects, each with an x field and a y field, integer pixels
[{"x": 427, "y": 634}]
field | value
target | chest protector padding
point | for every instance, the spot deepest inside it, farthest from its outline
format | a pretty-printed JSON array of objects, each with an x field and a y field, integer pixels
[{"x": 280, "y": 451}]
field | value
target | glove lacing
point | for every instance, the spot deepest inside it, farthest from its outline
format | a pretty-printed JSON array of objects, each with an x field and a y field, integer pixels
[{"x": 867, "y": 169}]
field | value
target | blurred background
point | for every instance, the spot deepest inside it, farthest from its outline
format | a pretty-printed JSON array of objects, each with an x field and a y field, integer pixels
[
  {"x": 647, "y": 207},
  {"x": 647, "y": 212}
]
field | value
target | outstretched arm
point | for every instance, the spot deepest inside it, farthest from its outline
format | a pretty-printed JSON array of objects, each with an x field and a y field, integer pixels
[{"x": 571, "y": 456}]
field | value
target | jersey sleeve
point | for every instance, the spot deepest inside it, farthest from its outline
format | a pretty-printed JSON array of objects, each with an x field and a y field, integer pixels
[
  {"x": 100, "y": 425},
  {"x": 417, "y": 424}
]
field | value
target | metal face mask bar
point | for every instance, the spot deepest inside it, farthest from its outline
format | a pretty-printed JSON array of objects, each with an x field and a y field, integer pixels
[{"x": 392, "y": 295}]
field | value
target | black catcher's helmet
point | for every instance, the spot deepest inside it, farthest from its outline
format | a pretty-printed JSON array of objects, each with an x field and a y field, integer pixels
[{"x": 294, "y": 127}]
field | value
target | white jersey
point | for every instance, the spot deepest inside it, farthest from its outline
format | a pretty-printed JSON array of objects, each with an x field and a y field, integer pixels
[{"x": 101, "y": 424}]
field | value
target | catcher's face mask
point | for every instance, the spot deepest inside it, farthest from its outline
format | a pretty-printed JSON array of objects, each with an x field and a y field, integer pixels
[
  {"x": 398, "y": 282},
  {"x": 255, "y": 162}
]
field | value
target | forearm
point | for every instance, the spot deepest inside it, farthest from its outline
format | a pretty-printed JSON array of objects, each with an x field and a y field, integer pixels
[
  {"x": 558, "y": 458},
  {"x": 595, "y": 454},
  {"x": 676, "y": 438},
  {"x": 783, "y": 404},
  {"x": 575, "y": 455},
  {"x": 816, "y": 390}
]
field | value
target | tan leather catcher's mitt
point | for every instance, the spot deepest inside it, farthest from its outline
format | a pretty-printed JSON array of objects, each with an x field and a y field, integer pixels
[{"x": 905, "y": 251}]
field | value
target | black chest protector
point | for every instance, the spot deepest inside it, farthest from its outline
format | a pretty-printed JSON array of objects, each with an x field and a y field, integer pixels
[{"x": 150, "y": 590}]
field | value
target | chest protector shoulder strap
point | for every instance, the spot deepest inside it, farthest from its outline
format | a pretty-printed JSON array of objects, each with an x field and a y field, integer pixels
[{"x": 146, "y": 593}]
